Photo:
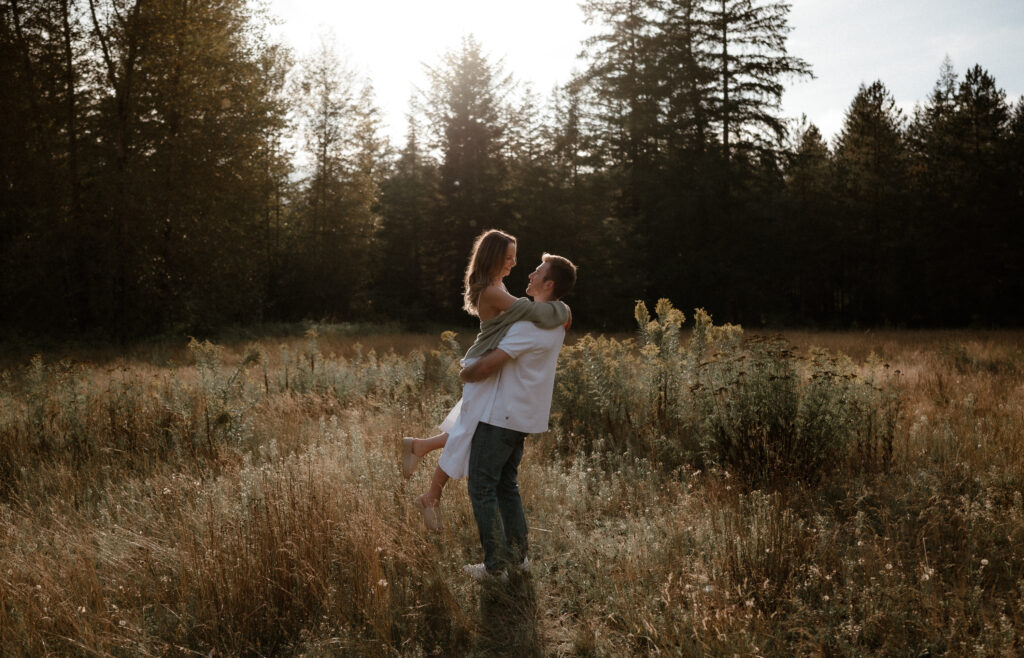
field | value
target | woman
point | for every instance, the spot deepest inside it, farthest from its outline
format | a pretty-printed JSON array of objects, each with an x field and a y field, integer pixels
[{"x": 485, "y": 296}]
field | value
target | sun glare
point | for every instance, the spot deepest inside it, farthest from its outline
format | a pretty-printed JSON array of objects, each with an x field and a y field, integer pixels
[
  {"x": 539, "y": 40},
  {"x": 390, "y": 40}
]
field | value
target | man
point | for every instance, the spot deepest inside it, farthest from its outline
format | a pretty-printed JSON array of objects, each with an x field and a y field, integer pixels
[{"x": 524, "y": 362}]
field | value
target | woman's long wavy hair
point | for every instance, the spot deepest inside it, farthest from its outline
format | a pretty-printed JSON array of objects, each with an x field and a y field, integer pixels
[{"x": 485, "y": 263}]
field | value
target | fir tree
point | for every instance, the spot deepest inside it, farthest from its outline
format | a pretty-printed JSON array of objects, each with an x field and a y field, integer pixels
[
  {"x": 339, "y": 201},
  {"x": 465, "y": 106},
  {"x": 871, "y": 171}
]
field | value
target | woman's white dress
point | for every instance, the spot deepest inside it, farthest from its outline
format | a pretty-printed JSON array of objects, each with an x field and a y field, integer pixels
[
  {"x": 478, "y": 397},
  {"x": 461, "y": 422}
]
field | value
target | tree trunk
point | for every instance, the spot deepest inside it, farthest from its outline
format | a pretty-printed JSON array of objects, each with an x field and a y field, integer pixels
[
  {"x": 123, "y": 88},
  {"x": 75, "y": 266}
]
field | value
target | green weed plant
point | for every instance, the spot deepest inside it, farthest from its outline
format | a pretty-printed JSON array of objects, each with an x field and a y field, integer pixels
[{"x": 751, "y": 405}]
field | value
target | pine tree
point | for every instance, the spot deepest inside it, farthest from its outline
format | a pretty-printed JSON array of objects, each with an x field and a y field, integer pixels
[
  {"x": 465, "y": 107},
  {"x": 621, "y": 90},
  {"x": 871, "y": 174},
  {"x": 529, "y": 181},
  {"x": 751, "y": 62},
  {"x": 989, "y": 213},
  {"x": 937, "y": 169},
  {"x": 45, "y": 237},
  {"x": 683, "y": 100},
  {"x": 203, "y": 77},
  {"x": 277, "y": 189},
  {"x": 623, "y": 94},
  {"x": 174, "y": 123},
  {"x": 1015, "y": 148},
  {"x": 685, "y": 41},
  {"x": 811, "y": 231},
  {"x": 983, "y": 116},
  {"x": 409, "y": 209},
  {"x": 934, "y": 144},
  {"x": 1014, "y": 233},
  {"x": 338, "y": 203}
]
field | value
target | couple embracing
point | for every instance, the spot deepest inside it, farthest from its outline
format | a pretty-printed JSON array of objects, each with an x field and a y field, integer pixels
[{"x": 509, "y": 376}]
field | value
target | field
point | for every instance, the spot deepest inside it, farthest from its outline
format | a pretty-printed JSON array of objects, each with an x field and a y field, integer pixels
[{"x": 243, "y": 498}]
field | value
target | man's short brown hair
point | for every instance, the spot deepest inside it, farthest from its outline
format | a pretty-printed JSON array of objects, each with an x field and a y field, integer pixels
[{"x": 562, "y": 272}]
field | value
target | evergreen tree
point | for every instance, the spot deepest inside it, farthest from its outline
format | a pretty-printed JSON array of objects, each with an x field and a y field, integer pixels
[
  {"x": 1015, "y": 148},
  {"x": 409, "y": 209},
  {"x": 811, "y": 231},
  {"x": 667, "y": 81},
  {"x": 623, "y": 78},
  {"x": 932, "y": 139},
  {"x": 687, "y": 68},
  {"x": 146, "y": 177},
  {"x": 206, "y": 106},
  {"x": 1013, "y": 226},
  {"x": 983, "y": 116},
  {"x": 531, "y": 188},
  {"x": 871, "y": 174},
  {"x": 278, "y": 188},
  {"x": 337, "y": 214},
  {"x": 750, "y": 60},
  {"x": 465, "y": 106},
  {"x": 964, "y": 186},
  {"x": 578, "y": 224},
  {"x": 621, "y": 91},
  {"x": 133, "y": 204},
  {"x": 44, "y": 234},
  {"x": 624, "y": 91},
  {"x": 985, "y": 259},
  {"x": 936, "y": 144}
]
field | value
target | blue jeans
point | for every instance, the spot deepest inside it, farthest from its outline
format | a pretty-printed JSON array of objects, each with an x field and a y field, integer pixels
[{"x": 494, "y": 458}]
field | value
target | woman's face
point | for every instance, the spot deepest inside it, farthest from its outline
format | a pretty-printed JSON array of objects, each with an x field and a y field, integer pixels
[{"x": 510, "y": 260}]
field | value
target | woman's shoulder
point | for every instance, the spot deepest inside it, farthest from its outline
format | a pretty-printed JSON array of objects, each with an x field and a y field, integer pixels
[
  {"x": 497, "y": 295},
  {"x": 495, "y": 288},
  {"x": 494, "y": 300}
]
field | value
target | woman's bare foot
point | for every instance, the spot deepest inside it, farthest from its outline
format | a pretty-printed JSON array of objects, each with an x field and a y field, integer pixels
[
  {"x": 413, "y": 450},
  {"x": 430, "y": 509},
  {"x": 410, "y": 458}
]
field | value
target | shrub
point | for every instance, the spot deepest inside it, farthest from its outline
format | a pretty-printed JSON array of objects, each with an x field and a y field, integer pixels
[
  {"x": 598, "y": 396},
  {"x": 749, "y": 404},
  {"x": 772, "y": 414},
  {"x": 749, "y": 401}
]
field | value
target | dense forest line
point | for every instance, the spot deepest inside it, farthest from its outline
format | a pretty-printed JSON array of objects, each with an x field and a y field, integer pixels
[{"x": 166, "y": 166}]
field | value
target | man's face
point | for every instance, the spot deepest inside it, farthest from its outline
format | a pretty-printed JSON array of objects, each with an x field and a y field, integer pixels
[{"x": 538, "y": 279}]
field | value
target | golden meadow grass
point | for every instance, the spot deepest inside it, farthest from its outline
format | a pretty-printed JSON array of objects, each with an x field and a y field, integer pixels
[{"x": 245, "y": 499}]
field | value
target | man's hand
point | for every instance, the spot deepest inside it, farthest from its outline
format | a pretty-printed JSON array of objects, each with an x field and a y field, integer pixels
[{"x": 484, "y": 367}]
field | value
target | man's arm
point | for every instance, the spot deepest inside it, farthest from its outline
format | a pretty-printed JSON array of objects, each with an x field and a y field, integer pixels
[{"x": 484, "y": 367}]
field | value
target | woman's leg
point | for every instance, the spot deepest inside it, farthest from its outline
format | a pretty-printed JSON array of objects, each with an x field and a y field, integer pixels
[
  {"x": 433, "y": 495},
  {"x": 413, "y": 450},
  {"x": 429, "y": 503},
  {"x": 421, "y": 447}
]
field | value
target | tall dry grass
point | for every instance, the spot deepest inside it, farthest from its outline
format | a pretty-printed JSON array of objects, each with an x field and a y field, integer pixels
[{"x": 244, "y": 499}]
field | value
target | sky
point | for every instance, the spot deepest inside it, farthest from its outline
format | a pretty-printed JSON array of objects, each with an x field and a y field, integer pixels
[{"x": 847, "y": 43}]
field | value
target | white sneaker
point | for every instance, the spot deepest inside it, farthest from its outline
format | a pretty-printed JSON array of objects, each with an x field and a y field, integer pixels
[{"x": 479, "y": 573}]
